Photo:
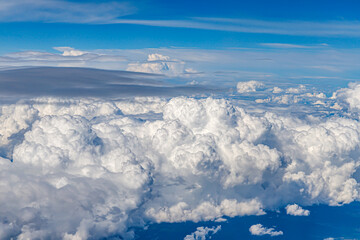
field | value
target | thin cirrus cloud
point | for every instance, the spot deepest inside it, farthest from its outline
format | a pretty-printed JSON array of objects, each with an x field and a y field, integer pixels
[
  {"x": 297, "y": 28},
  {"x": 62, "y": 11},
  {"x": 285, "y": 45},
  {"x": 112, "y": 12}
]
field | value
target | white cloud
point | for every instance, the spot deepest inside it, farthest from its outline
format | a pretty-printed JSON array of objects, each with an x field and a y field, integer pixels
[
  {"x": 69, "y": 57},
  {"x": 296, "y": 95},
  {"x": 299, "y": 89},
  {"x": 296, "y": 210},
  {"x": 207, "y": 211},
  {"x": 119, "y": 163},
  {"x": 202, "y": 64},
  {"x": 349, "y": 97},
  {"x": 260, "y": 230},
  {"x": 68, "y": 51},
  {"x": 250, "y": 86},
  {"x": 159, "y": 64},
  {"x": 277, "y": 90},
  {"x": 201, "y": 233},
  {"x": 157, "y": 57}
]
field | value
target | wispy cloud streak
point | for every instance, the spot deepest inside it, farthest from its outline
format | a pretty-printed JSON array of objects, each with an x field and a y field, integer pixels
[
  {"x": 62, "y": 11},
  {"x": 299, "y": 28},
  {"x": 113, "y": 12}
]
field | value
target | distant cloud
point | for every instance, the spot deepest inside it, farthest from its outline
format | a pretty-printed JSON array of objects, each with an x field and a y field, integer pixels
[
  {"x": 69, "y": 57},
  {"x": 68, "y": 51},
  {"x": 201, "y": 233},
  {"x": 160, "y": 64},
  {"x": 250, "y": 86},
  {"x": 296, "y": 210},
  {"x": 226, "y": 66},
  {"x": 62, "y": 11},
  {"x": 260, "y": 230}
]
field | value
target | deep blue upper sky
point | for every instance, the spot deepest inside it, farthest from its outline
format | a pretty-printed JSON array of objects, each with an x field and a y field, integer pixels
[{"x": 37, "y": 26}]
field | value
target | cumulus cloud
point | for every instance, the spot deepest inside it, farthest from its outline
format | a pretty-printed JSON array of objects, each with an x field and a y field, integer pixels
[
  {"x": 277, "y": 90},
  {"x": 296, "y": 210},
  {"x": 202, "y": 233},
  {"x": 299, "y": 89},
  {"x": 68, "y": 51},
  {"x": 349, "y": 97},
  {"x": 250, "y": 86},
  {"x": 297, "y": 95},
  {"x": 203, "y": 64},
  {"x": 106, "y": 166},
  {"x": 101, "y": 59},
  {"x": 260, "y": 230},
  {"x": 182, "y": 212},
  {"x": 160, "y": 64}
]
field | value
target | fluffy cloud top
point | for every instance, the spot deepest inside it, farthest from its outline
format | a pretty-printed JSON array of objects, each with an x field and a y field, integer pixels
[
  {"x": 201, "y": 233},
  {"x": 260, "y": 230},
  {"x": 68, "y": 51},
  {"x": 160, "y": 64},
  {"x": 250, "y": 86},
  {"x": 350, "y": 97},
  {"x": 296, "y": 210},
  {"x": 104, "y": 167}
]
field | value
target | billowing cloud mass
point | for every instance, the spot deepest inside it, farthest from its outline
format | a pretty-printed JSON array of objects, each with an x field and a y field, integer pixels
[
  {"x": 349, "y": 97},
  {"x": 103, "y": 167},
  {"x": 250, "y": 86},
  {"x": 296, "y": 210},
  {"x": 202, "y": 233},
  {"x": 260, "y": 230}
]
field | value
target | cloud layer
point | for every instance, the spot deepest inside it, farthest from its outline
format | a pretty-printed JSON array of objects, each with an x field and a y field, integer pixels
[
  {"x": 103, "y": 167},
  {"x": 222, "y": 67},
  {"x": 85, "y": 82}
]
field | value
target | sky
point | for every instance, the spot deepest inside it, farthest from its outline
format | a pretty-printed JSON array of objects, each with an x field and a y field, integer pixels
[
  {"x": 230, "y": 40},
  {"x": 152, "y": 24},
  {"x": 191, "y": 120}
]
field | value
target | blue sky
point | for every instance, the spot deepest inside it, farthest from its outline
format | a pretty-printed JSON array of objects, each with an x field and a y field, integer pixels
[
  {"x": 277, "y": 39},
  {"x": 42, "y": 25}
]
